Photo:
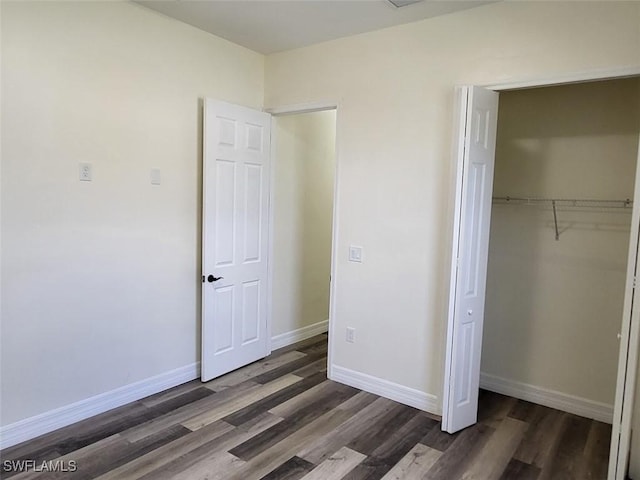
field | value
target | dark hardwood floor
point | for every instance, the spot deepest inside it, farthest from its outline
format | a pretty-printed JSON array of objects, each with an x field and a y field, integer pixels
[{"x": 280, "y": 418}]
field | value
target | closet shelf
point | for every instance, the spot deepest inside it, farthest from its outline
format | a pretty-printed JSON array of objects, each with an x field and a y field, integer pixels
[
  {"x": 566, "y": 202},
  {"x": 556, "y": 203}
]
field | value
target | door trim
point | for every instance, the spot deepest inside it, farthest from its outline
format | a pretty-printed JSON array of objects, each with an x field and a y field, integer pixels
[
  {"x": 630, "y": 327},
  {"x": 566, "y": 78},
  {"x": 293, "y": 110}
]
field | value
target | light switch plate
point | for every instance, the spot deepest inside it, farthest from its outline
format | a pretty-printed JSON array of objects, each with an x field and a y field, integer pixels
[
  {"x": 155, "y": 176},
  {"x": 355, "y": 254}
]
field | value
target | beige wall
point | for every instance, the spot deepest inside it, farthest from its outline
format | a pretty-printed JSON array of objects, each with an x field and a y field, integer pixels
[
  {"x": 554, "y": 308},
  {"x": 303, "y": 214},
  {"x": 100, "y": 280},
  {"x": 395, "y": 89}
]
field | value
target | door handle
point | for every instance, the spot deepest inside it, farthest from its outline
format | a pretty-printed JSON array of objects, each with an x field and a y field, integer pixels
[{"x": 212, "y": 279}]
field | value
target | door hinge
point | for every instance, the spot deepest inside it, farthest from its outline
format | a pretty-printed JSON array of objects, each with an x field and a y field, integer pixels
[{"x": 202, "y": 278}]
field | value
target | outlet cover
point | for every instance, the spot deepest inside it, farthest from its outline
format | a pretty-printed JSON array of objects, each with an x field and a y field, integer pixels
[
  {"x": 86, "y": 172},
  {"x": 351, "y": 334}
]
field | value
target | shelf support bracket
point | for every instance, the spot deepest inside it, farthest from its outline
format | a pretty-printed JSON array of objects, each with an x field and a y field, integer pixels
[{"x": 555, "y": 219}]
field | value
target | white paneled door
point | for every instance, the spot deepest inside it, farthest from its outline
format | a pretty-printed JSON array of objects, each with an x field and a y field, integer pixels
[
  {"x": 476, "y": 152},
  {"x": 235, "y": 237}
]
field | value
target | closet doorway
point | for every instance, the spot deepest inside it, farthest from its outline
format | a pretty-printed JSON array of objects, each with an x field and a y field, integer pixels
[
  {"x": 561, "y": 217},
  {"x": 304, "y": 175},
  {"x": 557, "y": 270}
]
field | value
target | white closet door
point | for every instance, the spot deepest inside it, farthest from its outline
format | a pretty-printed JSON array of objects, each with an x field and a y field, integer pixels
[
  {"x": 476, "y": 158},
  {"x": 629, "y": 346}
]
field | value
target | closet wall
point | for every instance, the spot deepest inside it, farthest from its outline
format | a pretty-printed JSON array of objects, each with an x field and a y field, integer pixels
[
  {"x": 303, "y": 216},
  {"x": 553, "y": 308}
]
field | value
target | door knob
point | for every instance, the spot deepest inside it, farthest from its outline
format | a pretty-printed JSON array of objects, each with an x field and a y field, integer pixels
[{"x": 212, "y": 279}]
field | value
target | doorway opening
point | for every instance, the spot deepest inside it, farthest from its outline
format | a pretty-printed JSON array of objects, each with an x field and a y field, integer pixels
[
  {"x": 560, "y": 226},
  {"x": 525, "y": 242},
  {"x": 303, "y": 191}
]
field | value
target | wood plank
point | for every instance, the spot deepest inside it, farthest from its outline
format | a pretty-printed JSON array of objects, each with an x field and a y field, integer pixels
[
  {"x": 223, "y": 443},
  {"x": 541, "y": 439},
  {"x": 454, "y": 461},
  {"x": 523, "y": 411},
  {"x": 497, "y": 452},
  {"x": 438, "y": 439},
  {"x": 371, "y": 468},
  {"x": 274, "y": 456},
  {"x": 221, "y": 411},
  {"x": 264, "y": 404},
  {"x": 293, "y": 469},
  {"x": 336, "y": 466},
  {"x": 415, "y": 464},
  {"x": 217, "y": 466},
  {"x": 322, "y": 338},
  {"x": 595, "y": 460},
  {"x": 517, "y": 470},
  {"x": 316, "y": 349},
  {"x": 399, "y": 443},
  {"x": 250, "y": 371},
  {"x": 319, "y": 365},
  {"x": 167, "y": 453},
  {"x": 565, "y": 462},
  {"x": 323, "y": 446},
  {"x": 358, "y": 402},
  {"x": 288, "y": 368},
  {"x": 286, "y": 409},
  {"x": 494, "y": 407},
  {"x": 186, "y": 412},
  {"x": 382, "y": 428},
  {"x": 300, "y": 418}
]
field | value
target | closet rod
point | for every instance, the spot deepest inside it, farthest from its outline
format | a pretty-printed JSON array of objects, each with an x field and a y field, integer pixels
[{"x": 566, "y": 202}]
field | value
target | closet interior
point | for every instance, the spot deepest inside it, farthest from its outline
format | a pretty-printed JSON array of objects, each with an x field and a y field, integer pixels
[{"x": 563, "y": 195}]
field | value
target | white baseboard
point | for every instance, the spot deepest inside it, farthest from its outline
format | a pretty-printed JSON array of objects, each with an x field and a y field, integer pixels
[
  {"x": 288, "y": 338},
  {"x": 32, "y": 427},
  {"x": 549, "y": 398},
  {"x": 384, "y": 388}
]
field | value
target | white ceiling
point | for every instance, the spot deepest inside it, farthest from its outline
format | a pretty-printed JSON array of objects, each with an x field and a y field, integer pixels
[{"x": 269, "y": 26}]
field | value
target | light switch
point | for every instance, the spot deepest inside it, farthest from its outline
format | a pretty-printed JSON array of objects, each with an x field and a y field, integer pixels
[
  {"x": 355, "y": 254},
  {"x": 155, "y": 176}
]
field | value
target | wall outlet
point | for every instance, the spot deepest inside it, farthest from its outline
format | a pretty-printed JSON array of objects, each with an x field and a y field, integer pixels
[
  {"x": 85, "y": 172},
  {"x": 351, "y": 335}
]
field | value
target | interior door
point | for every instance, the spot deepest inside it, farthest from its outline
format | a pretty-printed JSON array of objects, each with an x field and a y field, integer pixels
[
  {"x": 476, "y": 157},
  {"x": 235, "y": 237}
]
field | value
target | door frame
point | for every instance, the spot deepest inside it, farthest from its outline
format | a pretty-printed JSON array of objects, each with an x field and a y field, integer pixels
[
  {"x": 630, "y": 328},
  {"x": 298, "y": 109}
]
